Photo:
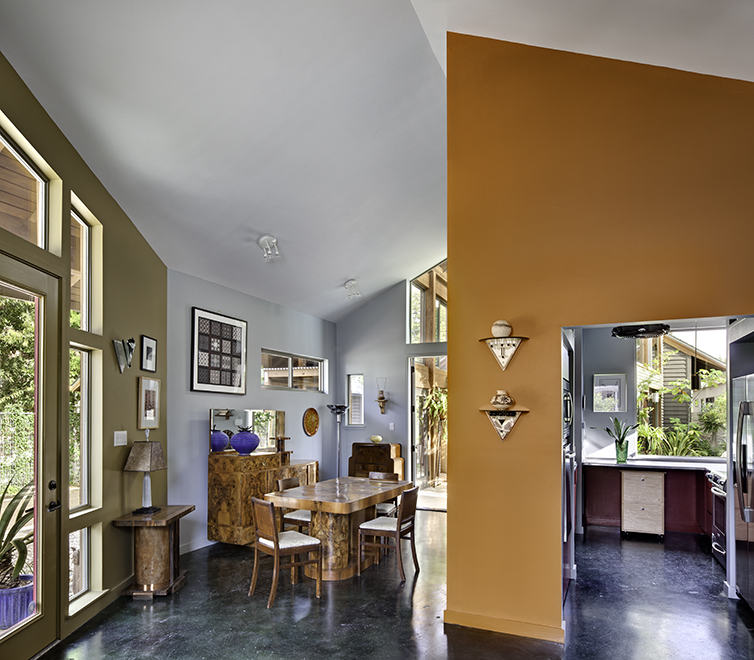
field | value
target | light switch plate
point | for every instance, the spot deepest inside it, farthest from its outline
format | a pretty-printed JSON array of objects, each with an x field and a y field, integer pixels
[
  {"x": 121, "y": 438},
  {"x": 392, "y": 426}
]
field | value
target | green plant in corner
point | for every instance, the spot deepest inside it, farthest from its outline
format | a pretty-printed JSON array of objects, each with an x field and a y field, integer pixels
[{"x": 14, "y": 540}]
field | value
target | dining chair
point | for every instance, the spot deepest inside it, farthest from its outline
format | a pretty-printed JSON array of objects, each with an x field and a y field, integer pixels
[
  {"x": 300, "y": 518},
  {"x": 385, "y": 528},
  {"x": 390, "y": 507},
  {"x": 281, "y": 544}
]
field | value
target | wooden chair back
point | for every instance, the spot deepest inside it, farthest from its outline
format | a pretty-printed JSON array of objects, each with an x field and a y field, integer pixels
[
  {"x": 289, "y": 482},
  {"x": 407, "y": 507},
  {"x": 264, "y": 520},
  {"x": 384, "y": 476}
]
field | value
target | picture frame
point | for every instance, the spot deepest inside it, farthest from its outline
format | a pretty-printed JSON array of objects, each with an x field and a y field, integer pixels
[
  {"x": 149, "y": 403},
  {"x": 609, "y": 393},
  {"x": 148, "y": 354},
  {"x": 218, "y": 353}
]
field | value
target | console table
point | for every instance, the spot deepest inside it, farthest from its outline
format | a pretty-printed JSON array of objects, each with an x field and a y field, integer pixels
[
  {"x": 233, "y": 479},
  {"x": 156, "y": 551}
]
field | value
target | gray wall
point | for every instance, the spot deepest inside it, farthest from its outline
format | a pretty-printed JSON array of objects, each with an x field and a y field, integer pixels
[
  {"x": 269, "y": 326},
  {"x": 372, "y": 341},
  {"x": 603, "y": 354}
]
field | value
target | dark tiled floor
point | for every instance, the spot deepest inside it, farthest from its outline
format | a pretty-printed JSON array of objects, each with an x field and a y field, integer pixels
[{"x": 634, "y": 599}]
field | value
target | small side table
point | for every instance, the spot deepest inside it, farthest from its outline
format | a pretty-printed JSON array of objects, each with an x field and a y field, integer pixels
[{"x": 156, "y": 549}]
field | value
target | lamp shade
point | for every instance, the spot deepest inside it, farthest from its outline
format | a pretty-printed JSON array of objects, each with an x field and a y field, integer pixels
[{"x": 145, "y": 456}]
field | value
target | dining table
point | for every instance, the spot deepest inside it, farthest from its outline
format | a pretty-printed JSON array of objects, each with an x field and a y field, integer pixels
[{"x": 338, "y": 507}]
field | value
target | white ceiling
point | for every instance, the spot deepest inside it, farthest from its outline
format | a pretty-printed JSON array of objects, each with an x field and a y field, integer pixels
[{"x": 319, "y": 121}]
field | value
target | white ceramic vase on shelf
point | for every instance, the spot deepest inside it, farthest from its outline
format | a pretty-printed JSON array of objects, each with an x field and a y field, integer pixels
[
  {"x": 501, "y": 329},
  {"x": 502, "y": 400}
]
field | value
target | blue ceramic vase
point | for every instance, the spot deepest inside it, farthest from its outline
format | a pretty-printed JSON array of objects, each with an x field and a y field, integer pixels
[
  {"x": 219, "y": 440},
  {"x": 244, "y": 442}
]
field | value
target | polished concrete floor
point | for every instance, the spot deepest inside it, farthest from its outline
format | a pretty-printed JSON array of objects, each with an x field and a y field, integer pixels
[{"x": 634, "y": 599}]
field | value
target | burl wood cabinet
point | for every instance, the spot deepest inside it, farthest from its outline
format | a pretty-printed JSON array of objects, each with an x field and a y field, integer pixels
[
  {"x": 232, "y": 480},
  {"x": 643, "y": 502},
  {"x": 369, "y": 457}
]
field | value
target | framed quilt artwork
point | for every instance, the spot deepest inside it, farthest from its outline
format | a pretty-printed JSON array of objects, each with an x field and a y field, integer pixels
[{"x": 218, "y": 353}]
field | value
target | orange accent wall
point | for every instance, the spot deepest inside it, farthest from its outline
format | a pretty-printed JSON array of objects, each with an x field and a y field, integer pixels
[{"x": 581, "y": 191}]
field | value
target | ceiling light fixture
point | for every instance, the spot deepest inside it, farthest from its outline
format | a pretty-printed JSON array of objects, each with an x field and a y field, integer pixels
[
  {"x": 648, "y": 331},
  {"x": 352, "y": 286},
  {"x": 269, "y": 245}
]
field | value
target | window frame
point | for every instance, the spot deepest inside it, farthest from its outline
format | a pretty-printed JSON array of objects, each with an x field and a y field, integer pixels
[
  {"x": 86, "y": 275},
  {"x": 349, "y": 401},
  {"x": 290, "y": 357}
]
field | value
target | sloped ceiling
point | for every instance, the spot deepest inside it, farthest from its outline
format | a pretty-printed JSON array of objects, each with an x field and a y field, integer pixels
[{"x": 319, "y": 121}]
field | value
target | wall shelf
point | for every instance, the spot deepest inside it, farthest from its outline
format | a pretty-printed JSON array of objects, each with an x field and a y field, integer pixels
[
  {"x": 503, "y": 421},
  {"x": 503, "y": 348}
]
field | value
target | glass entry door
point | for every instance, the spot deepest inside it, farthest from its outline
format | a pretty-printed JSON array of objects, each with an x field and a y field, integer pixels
[
  {"x": 30, "y": 519},
  {"x": 429, "y": 403}
]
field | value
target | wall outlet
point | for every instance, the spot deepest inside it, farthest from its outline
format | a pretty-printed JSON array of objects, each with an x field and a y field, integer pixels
[
  {"x": 121, "y": 438},
  {"x": 391, "y": 426}
]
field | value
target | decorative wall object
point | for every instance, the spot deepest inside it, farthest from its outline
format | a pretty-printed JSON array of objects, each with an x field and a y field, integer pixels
[
  {"x": 502, "y": 400},
  {"x": 124, "y": 351},
  {"x": 503, "y": 348},
  {"x": 501, "y": 329},
  {"x": 120, "y": 354},
  {"x": 311, "y": 421},
  {"x": 218, "y": 353},
  {"x": 503, "y": 421},
  {"x": 148, "y": 354},
  {"x": 609, "y": 394},
  {"x": 149, "y": 403}
]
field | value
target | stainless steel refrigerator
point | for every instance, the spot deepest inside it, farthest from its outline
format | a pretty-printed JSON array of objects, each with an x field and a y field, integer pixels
[{"x": 742, "y": 417}]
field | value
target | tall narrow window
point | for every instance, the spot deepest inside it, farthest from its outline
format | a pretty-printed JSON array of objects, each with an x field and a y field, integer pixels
[
  {"x": 78, "y": 434},
  {"x": 356, "y": 399},
  {"x": 23, "y": 191},
  {"x": 80, "y": 267},
  {"x": 428, "y": 309}
]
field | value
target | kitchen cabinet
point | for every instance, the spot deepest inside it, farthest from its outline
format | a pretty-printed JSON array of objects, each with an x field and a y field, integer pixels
[{"x": 643, "y": 502}]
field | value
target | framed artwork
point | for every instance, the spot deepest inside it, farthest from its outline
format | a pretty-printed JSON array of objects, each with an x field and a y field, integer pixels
[
  {"x": 609, "y": 393},
  {"x": 311, "y": 421},
  {"x": 148, "y": 354},
  {"x": 149, "y": 403},
  {"x": 218, "y": 353}
]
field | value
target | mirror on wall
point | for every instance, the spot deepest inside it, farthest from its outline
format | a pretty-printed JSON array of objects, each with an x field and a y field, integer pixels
[{"x": 267, "y": 424}]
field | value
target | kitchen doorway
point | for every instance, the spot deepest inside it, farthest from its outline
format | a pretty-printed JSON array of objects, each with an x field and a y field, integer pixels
[{"x": 429, "y": 430}]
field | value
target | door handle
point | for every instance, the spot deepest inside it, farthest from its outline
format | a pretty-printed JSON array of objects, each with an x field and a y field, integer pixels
[
  {"x": 54, "y": 506},
  {"x": 744, "y": 409}
]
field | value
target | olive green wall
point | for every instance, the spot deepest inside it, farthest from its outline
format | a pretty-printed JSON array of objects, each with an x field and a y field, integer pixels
[{"x": 134, "y": 295}]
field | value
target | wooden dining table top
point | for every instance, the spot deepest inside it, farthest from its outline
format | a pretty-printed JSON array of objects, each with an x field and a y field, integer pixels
[{"x": 342, "y": 495}]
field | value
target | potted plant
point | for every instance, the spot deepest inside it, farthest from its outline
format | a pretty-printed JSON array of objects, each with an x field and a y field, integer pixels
[
  {"x": 619, "y": 433},
  {"x": 16, "y": 590}
]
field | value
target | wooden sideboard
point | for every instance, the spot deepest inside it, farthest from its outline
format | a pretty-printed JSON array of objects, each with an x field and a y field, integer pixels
[
  {"x": 233, "y": 479},
  {"x": 369, "y": 457}
]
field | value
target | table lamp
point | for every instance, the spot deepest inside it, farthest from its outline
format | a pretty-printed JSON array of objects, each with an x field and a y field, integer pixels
[{"x": 146, "y": 456}]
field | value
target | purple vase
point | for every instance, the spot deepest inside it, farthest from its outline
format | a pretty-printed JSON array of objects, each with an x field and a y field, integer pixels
[
  {"x": 219, "y": 440},
  {"x": 16, "y": 604},
  {"x": 244, "y": 442}
]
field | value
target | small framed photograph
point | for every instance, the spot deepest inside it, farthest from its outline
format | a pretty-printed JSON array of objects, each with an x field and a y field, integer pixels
[
  {"x": 148, "y": 354},
  {"x": 149, "y": 403},
  {"x": 218, "y": 353},
  {"x": 609, "y": 393}
]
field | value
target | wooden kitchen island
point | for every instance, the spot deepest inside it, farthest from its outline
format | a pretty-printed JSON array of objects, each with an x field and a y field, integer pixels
[{"x": 338, "y": 507}]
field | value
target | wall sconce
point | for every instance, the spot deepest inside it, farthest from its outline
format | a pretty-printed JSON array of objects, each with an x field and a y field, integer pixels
[
  {"x": 146, "y": 457},
  {"x": 381, "y": 398},
  {"x": 269, "y": 245},
  {"x": 352, "y": 286},
  {"x": 655, "y": 397},
  {"x": 124, "y": 351}
]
